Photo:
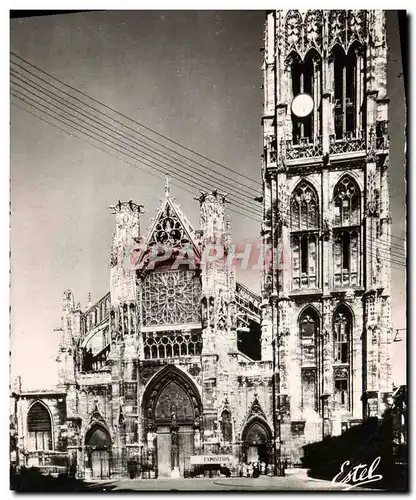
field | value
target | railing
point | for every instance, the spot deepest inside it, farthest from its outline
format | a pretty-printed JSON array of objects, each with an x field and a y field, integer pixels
[
  {"x": 347, "y": 144},
  {"x": 305, "y": 148},
  {"x": 382, "y": 143},
  {"x": 305, "y": 281},
  {"x": 94, "y": 363},
  {"x": 253, "y": 367},
  {"x": 244, "y": 294},
  {"x": 346, "y": 278},
  {"x": 97, "y": 313}
]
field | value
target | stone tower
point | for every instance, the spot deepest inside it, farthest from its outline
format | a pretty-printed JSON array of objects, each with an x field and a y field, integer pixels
[
  {"x": 326, "y": 211},
  {"x": 218, "y": 310}
]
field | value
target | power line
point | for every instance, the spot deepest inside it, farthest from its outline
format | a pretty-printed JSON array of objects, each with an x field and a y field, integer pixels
[
  {"x": 79, "y": 109},
  {"x": 108, "y": 146},
  {"x": 175, "y": 152},
  {"x": 133, "y": 121},
  {"x": 128, "y": 118},
  {"x": 393, "y": 264},
  {"x": 100, "y": 133},
  {"x": 123, "y": 152}
]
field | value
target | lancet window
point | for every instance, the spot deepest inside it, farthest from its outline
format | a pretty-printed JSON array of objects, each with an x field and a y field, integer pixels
[
  {"x": 304, "y": 236},
  {"x": 347, "y": 232}
]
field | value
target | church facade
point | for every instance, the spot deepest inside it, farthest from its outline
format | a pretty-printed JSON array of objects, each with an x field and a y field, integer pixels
[
  {"x": 180, "y": 360},
  {"x": 151, "y": 373}
]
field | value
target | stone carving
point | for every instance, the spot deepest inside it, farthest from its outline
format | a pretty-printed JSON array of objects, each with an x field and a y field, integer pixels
[
  {"x": 293, "y": 30},
  {"x": 337, "y": 27},
  {"x": 312, "y": 30},
  {"x": 356, "y": 28},
  {"x": 304, "y": 35}
]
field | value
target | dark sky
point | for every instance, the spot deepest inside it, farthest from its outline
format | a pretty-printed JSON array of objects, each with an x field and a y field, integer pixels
[{"x": 192, "y": 76}]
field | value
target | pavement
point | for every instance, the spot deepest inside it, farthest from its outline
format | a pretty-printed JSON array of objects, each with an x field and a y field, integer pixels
[{"x": 292, "y": 482}]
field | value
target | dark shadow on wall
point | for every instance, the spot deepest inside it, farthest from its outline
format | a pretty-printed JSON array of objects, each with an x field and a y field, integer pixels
[
  {"x": 361, "y": 444},
  {"x": 31, "y": 480},
  {"x": 249, "y": 342}
]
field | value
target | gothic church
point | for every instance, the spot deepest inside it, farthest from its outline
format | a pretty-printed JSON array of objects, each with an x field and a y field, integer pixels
[{"x": 179, "y": 360}]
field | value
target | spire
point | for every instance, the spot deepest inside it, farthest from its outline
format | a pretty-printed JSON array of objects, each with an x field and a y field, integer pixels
[{"x": 167, "y": 188}]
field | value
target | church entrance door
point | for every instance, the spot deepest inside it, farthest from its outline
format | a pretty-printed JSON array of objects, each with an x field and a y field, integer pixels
[
  {"x": 164, "y": 449},
  {"x": 97, "y": 448},
  {"x": 256, "y": 438},
  {"x": 100, "y": 464},
  {"x": 173, "y": 411}
]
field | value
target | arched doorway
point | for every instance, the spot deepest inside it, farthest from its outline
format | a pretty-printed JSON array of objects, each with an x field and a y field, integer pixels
[
  {"x": 98, "y": 446},
  {"x": 256, "y": 442},
  {"x": 172, "y": 407}
]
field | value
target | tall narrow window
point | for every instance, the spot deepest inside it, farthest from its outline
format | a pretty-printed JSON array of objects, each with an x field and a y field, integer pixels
[
  {"x": 226, "y": 427},
  {"x": 309, "y": 327},
  {"x": 346, "y": 250},
  {"x": 342, "y": 356},
  {"x": 39, "y": 427},
  {"x": 304, "y": 236},
  {"x": 304, "y": 254},
  {"x": 347, "y": 89},
  {"x": 342, "y": 335},
  {"x": 341, "y": 392},
  {"x": 305, "y": 80},
  {"x": 346, "y": 232}
]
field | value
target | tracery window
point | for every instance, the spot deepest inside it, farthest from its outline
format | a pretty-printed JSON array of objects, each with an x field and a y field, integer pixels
[
  {"x": 304, "y": 236},
  {"x": 171, "y": 297},
  {"x": 169, "y": 229},
  {"x": 347, "y": 202},
  {"x": 174, "y": 344},
  {"x": 346, "y": 232},
  {"x": 39, "y": 427}
]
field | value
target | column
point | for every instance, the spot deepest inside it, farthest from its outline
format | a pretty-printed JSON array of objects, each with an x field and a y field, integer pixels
[{"x": 175, "y": 449}]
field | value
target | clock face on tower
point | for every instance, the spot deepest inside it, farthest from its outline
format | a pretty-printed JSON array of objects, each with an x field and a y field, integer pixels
[{"x": 302, "y": 105}]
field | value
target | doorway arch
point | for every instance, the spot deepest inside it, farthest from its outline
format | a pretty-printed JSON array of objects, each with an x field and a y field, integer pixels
[
  {"x": 257, "y": 442},
  {"x": 98, "y": 452},
  {"x": 172, "y": 408}
]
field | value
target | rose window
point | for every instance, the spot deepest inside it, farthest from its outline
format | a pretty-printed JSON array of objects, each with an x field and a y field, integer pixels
[{"x": 170, "y": 298}]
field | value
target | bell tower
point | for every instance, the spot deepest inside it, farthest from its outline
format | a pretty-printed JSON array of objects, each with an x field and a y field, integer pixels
[{"x": 326, "y": 207}]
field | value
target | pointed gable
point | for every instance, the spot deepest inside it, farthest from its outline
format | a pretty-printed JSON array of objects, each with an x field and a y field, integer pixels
[
  {"x": 170, "y": 227},
  {"x": 170, "y": 235},
  {"x": 255, "y": 410}
]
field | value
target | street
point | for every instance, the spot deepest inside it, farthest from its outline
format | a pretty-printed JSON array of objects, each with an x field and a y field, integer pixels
[{"x": 291, "y": 482}]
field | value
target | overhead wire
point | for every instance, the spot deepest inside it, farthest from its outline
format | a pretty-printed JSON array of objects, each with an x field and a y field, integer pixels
[
  {"x": 150, "y": 171},
  {"x": 123, "y": 144},
  {"x": 132, "y": 120},
  {"x": 384, "y": 251},
  {"x": 78, "y": 109},
  {"x": 124, "y": 116}
]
